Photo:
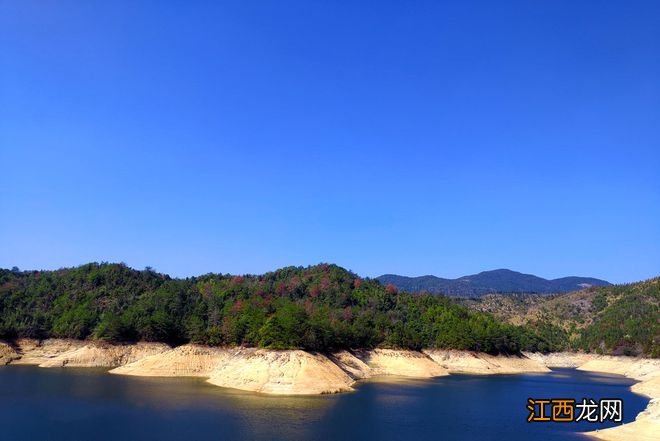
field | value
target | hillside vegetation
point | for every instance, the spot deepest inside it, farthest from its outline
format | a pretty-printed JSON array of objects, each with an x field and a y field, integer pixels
[
  {"x": 317, "y": 308},
  {"x": 618, "y": 319}
]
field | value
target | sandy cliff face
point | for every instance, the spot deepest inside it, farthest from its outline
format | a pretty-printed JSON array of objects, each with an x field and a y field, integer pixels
[
  {"x": 7, "y": 353},
  {"x": 560, "y": 359},
  {"x": 257, "y": 370},
  {"x": 353, "y": 366},
  {"x": 461, "y": 361},
  {"x": 281, "y": 372},
  {"x": 37, "y": 352},
  {"x": 639, "y": 369},
  {"x": 105, "y": 355},
  {"x": 400, "y": 363},
  {"x": 268, "y": 371},
  {"x": 479, "y": 363},
  {"x": 612, "y": 365},
  {"x": 74, "y": 353},
  {"x": 514, "y": 364},
  {"x": 183, "y": 361}
]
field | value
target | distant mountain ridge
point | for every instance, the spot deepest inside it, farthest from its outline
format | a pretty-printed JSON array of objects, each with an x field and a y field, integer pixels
[{"x": 488, "y": 282}]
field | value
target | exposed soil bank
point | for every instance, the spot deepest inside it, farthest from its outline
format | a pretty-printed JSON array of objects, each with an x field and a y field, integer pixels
[
  {"x": 260, "y": 370},
  {"x": 291, "y": 372},
  {"x": 7, "y": 353},
  {"x": 78, "y": 353},
  {"x": 647, "y": 424},
  {"x": 299, "y": 373},
  {"x": 484, "y": 364},
  {"x": 281, "y": 372},
  {"x": 183, "y": 361}
]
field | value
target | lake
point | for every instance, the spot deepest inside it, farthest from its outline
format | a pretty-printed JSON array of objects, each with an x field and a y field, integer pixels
[{"x": 89, "y": 404}]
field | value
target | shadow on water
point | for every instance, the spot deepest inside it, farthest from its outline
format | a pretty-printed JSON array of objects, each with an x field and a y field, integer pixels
[{"x": 83, "y": 404}]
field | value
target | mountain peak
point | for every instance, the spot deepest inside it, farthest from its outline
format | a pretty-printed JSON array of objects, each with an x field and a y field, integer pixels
[{"x": 501, "y": 280}]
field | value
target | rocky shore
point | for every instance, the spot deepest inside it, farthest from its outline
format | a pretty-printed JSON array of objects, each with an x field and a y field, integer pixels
[{"x": 296, "y": 372}]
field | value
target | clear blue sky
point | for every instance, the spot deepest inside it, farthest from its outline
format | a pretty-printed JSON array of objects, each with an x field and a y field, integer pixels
[{"x": 403, "y": 137}]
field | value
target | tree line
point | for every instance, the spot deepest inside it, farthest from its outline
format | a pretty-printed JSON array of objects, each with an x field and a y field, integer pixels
[{"x": 318, "y": 308}]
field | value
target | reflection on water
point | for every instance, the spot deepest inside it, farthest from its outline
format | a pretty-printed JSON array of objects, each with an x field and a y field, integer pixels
[{"x": 82, "y": 404}]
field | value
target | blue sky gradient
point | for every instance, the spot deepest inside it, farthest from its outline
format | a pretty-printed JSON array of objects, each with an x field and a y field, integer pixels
[{"x": 387, "y": 137}]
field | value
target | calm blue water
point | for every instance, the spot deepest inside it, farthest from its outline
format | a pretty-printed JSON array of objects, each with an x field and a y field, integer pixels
[{"x": 83, "y": 404}]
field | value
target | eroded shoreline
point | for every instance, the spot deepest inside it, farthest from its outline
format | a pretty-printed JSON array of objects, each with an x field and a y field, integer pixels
[
  {"x": 296, "y": 372},
  {"x": 646, "y": 426},
  {"x": 290, "y": 372}
]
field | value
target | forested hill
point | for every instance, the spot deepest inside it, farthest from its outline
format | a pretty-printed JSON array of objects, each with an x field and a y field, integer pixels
[
  {"x": 618, "y": 319},
  {"x": 321, "y": 308},
  {"x": 488, "y": 282}
]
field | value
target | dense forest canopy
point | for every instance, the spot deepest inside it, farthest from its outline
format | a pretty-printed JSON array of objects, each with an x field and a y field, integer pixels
[
  {"x": 626, "y": 320},
  {"x": 320, "y": 308}
]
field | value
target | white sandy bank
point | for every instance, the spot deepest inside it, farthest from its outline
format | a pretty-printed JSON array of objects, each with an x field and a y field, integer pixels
[
  {"x": 400, "y": 363},
  {"x": 292, "y": 372},
  {"x": 281, "y": 372},
  {"x": 646, "y": 426},
  {"x": 7, "y": 353},
  {"x": 257, "y": 370},
  {"x": 75, "y": 353},
  {"x": 182, "y": 361},
  {"x": 260, "y": 370},
  {"x": 484, "y": 364},
  {"x": 560, "y": 359}
]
